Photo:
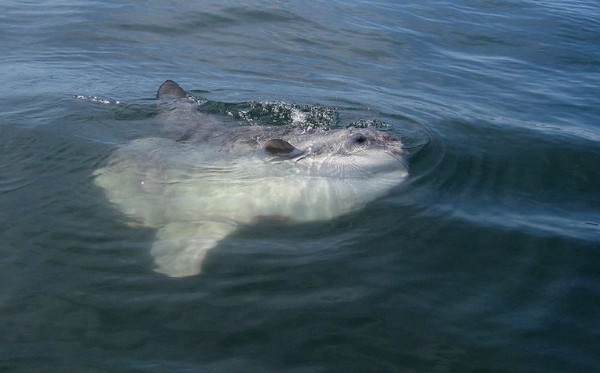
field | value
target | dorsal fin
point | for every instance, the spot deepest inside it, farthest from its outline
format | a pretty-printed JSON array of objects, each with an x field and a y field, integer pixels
[{"x": 170, "y": 88}]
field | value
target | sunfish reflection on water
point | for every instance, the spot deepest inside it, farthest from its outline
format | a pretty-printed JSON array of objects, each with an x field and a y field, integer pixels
[{"x": 199, "y": 186}]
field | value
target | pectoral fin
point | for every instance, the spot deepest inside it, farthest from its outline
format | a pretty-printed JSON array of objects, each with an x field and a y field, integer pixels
[
  {"x": 181, "y": 247},
  {"x": 282, "y": 150}
]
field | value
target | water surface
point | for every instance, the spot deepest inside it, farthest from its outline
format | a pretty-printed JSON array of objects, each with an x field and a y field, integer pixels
[{"x": 485, "y": 259}]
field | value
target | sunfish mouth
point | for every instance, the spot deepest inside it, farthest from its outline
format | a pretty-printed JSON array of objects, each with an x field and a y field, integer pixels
[
  {"x": 395, "y": 149},
  {"x": 392, "y": 143}
]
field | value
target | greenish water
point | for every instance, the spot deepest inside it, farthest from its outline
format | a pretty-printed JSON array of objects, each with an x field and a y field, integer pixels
[{"x": 485, "y": 259}]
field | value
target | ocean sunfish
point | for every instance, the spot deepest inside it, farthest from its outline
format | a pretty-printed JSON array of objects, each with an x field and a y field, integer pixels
[{"x": 202, "y": 179}]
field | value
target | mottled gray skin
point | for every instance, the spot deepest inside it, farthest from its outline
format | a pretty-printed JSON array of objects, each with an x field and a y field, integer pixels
[{"x": 202, "y": 180}]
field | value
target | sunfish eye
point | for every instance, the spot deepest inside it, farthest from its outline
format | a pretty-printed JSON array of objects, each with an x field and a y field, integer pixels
[{"x": 358, "y": 138}]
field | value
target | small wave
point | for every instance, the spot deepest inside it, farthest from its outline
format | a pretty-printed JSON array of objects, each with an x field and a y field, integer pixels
[
  {"x": 96, "y": 99},
  {"x": 277, "y": 113},
  {"x": 14, "y": 183},
  {"x": 368, "y": 123},
  {"x": 543, "y": 186}
]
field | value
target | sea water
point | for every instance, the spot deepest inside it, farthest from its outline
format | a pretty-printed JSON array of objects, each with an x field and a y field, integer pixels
[{"x": 485, "y": 259}]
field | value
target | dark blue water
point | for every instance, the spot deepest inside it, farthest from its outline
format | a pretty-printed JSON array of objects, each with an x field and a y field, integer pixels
[{"x": 486, "y": 259}]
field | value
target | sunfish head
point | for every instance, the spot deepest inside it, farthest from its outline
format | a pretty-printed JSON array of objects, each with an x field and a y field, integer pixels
[{"x": 345, "y": 153}]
